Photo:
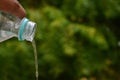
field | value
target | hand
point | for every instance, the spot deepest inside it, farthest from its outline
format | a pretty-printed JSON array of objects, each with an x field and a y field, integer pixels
[{"x": 13, "y": 7}]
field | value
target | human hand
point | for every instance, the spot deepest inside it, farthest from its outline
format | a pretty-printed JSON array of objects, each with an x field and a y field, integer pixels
[{"x": 13, "y": 7}]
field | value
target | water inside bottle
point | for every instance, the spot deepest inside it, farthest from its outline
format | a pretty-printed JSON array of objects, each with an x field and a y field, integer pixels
[{"x": 36, "y": 59}]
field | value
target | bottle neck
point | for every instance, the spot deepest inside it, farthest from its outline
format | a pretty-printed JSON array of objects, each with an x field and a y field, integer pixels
[{"x": 26, "y": 30}]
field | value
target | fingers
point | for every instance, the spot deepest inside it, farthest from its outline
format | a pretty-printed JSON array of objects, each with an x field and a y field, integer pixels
[
  {"x": 18, "y": 10},
  {"x": 13, "y": 7}
]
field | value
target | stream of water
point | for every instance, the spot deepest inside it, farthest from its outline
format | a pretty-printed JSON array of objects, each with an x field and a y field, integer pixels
[{"x": 36, "y": 59}]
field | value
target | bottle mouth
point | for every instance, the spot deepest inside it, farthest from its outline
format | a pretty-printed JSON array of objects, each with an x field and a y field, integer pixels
[
  {"x": 27, "y": 30},
  {"x": 31, "y": 31}
]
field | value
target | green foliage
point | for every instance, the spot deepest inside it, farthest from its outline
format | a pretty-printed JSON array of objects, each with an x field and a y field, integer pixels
[
  {"x": 70, "y": 48},
  {"x": 71, "y": 42},
  {"x": 16, "y": 61}
]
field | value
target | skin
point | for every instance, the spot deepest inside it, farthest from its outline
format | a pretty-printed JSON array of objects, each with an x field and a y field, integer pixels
[{"x": 13, "y": 7}]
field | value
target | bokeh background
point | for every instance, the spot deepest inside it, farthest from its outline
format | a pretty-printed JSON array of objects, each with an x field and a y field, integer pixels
[{"x": 75, "y": 39}]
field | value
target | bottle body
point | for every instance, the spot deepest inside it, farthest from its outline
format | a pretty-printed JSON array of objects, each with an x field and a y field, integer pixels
[{"x": 12, "y": 26}]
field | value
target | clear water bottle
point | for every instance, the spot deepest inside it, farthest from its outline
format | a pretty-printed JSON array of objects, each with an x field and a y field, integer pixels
[{"x": 12, "y": 26}]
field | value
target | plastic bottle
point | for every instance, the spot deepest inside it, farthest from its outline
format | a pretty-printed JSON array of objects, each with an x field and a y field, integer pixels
[{"x": 12, "y": 26}]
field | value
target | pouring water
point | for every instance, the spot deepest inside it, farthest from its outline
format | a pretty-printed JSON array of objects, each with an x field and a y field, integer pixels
[{"x": 36, "y": 59}]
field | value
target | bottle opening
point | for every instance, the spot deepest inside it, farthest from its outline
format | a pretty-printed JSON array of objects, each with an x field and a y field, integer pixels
[
  {"x": 27, "y": 30},
  {"x": 31, "y": 31}
]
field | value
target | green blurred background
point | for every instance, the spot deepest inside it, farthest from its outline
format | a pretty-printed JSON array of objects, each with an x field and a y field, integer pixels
[{"x": 75, "y": 39}]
